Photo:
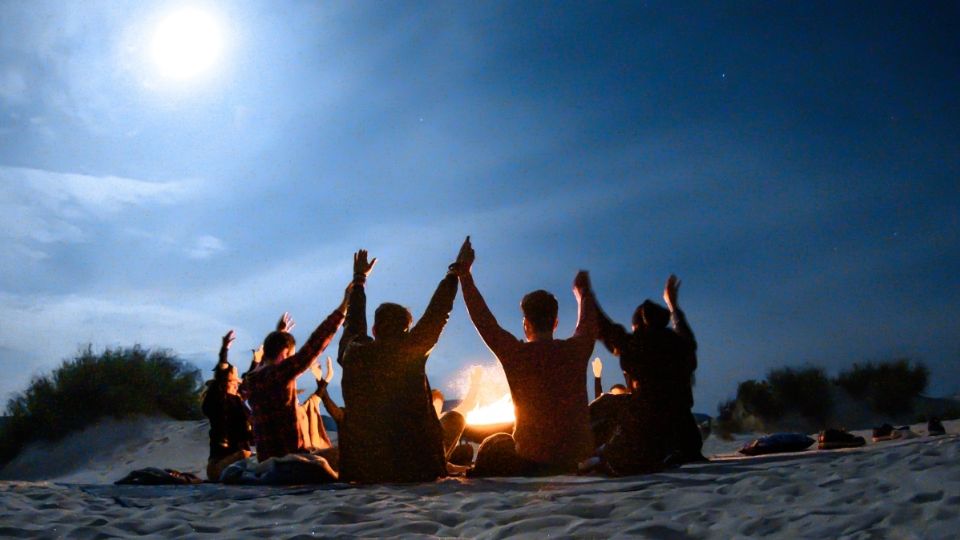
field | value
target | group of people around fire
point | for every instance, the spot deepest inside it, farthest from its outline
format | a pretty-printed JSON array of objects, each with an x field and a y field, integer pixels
[{"x": 391, "y": 427}]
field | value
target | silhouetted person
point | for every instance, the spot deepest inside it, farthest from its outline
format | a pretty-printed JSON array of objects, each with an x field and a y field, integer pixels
[
  {"x": 607, "y": 408},
  {"x": 390, "y": 431},
  {"x": 271, "y": 386},
  {"x": 597, "y": 366},
  {"x": 546, "y": 378},
  {"x": 230, "y": 434},
  {"x": 658, "y": 363}
]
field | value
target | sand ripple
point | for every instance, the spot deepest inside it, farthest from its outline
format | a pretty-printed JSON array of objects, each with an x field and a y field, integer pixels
[{"x": 902, "y": 490}]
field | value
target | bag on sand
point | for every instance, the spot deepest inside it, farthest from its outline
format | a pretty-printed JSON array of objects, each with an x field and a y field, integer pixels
[
  {"x": 291, "y": 469},
  {"x": 153, "y": 476},
  {"x": 777, "y": 443}
]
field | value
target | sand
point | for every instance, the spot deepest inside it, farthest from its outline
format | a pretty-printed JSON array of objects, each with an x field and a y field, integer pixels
[{"x": 897, "y": 489}]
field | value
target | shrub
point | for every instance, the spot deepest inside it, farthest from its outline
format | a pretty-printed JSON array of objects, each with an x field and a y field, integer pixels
[
  {"x": 758, "y": 399},
  {"x": 889, "y": 387},
  {"x": 119, "y": 382},
  {"x": 805, "y": 390}
]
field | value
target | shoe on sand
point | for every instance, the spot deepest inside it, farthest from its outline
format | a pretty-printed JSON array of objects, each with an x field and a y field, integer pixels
[
  {"x": 935, "y": 427},
  {"x": 903, "y": 432},
  {"x": 884, "y": 433},
  {"x": 838, "y": 438}
]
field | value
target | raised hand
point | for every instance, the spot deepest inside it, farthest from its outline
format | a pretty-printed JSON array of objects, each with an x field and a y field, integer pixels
[
  {"x": 258, "y": 354},
  {"x": 285, "y": 324},
  {"x": 670, "y": 291},
  {"x": 581, "y": 284},
  {"x": 465, "y": 258},
  {"x": 342, "y": 308},
  {"x": 329, "y": 376},
  {"x": 597, "y": 367},
  {"x": 318, "y": 373},
  {"x": 228, "y": 339},
  {"x": 360, "y": 265}
]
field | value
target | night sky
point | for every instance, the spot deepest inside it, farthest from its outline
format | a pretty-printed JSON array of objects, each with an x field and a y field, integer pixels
[{"x": 796, "y": 164}]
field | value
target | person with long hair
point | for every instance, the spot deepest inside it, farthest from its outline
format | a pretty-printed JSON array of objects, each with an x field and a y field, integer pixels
[
  {"x": 230, "y": 434},
  {"x": 656, "y": 426}
]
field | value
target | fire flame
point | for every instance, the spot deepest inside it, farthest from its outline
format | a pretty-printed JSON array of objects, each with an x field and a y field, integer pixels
[{"x": 498, "y": 412}]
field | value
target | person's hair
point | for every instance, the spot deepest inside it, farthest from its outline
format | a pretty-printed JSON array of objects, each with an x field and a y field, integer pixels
[
  {"x": 655, "y": 315},
  {"x": 540, "y": 309},
  {"x": 391, "y": 319},
  {"x": 218, "y": 384},
  {"x": 619, "y": 387},
  {"x": 221, "y": 373},
  {"x": 277, "y": 342}
]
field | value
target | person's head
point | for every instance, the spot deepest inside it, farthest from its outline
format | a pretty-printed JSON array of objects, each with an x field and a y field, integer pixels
[
  {"x": 391, "y": 320},
  {"x": 278, "y": 346},
  {"x": 539, "y": 313},
  {"x": 225, "y": 378},
  {"x": 618, "y": 389},
  {"x": 437, "y": 397},
  {"x": 650, "y": 314}
]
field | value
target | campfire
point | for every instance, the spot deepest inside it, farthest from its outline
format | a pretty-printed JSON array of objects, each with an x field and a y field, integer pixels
[
  {"x": 494, "y": 411},
  {"x": 499, "y": 412}
]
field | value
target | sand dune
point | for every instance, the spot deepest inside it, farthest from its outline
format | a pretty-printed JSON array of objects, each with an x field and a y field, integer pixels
[{"x": 899, "y": 489}]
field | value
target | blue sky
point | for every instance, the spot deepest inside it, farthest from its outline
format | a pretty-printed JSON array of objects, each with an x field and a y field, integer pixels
[{"x": 795, "y": 164}]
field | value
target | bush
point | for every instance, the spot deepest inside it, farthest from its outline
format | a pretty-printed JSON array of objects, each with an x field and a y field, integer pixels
[
  {"x": 119, "y": 382},
  {"x": 805, "y": 390},
  {"x": 889, "y": 387},
  {"x": 758, "y": 399}
]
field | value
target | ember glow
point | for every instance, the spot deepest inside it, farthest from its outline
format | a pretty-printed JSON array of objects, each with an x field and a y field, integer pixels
[
  {"x": 498, "y": 412},
  {"x": 494, "y": 404}
]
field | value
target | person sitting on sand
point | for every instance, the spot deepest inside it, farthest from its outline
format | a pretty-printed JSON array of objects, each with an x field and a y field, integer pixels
[
  {"x": 606, "y": 408},
  {"x": 658, "y": 364},
  {"x": 455, "y": 420},
  {"x": 271, "y": 387},
  {"x": 230, "y": 434},
  {"x": 390, "y": 432},
  {"x": 546, "y": 378}
]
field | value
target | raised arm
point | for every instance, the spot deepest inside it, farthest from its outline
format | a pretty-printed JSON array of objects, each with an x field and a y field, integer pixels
[
  {"x": 323, "y": 381},
  {"x": 680, "y": 326},
  {"x": 497, "y": 339},
  {"x": 614, "y": 336},
  {"x": 426, "y": 332},
  {"x": 225, "y": 342},
  {"x": 316, "y": 343},
  {"x": 355, "y": 327},
  {"x": 587, "y": 326},
  {"x": 597, "y": 365}
]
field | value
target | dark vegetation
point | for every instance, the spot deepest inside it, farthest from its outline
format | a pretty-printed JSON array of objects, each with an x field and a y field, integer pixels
[
  {"x": 888, "y": 387},
  {"x": 116, "y": 383},
  {"x": 806, "y": 398}
]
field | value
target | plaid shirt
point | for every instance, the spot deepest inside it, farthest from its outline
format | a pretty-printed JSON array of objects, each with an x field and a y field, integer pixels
[{"x": 272, "y": 393}]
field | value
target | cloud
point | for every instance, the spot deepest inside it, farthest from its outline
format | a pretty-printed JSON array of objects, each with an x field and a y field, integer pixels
[
  {"x": 205, "y": 246},
  {"x": 44, "y": 207},
  {"x": 40, "y": 331}
]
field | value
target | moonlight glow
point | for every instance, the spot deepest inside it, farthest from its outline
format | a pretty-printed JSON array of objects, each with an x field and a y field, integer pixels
[{"x": 186, "y": 44}]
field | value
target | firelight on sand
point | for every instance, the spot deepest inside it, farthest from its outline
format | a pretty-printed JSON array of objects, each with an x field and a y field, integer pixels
[{"x": 500, "y": 411}]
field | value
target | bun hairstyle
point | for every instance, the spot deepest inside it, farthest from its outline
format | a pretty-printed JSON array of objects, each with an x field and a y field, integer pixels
[
  {"x": 218, "y": 384},
  {"x": 651, "y": 315}
]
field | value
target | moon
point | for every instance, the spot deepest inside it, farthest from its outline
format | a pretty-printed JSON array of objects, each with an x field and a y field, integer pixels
[{"x": 187, "y": 44}]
